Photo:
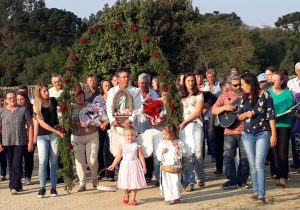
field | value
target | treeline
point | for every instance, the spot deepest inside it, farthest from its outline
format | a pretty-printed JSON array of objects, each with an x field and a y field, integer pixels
[{"x": 35, "y": 41}]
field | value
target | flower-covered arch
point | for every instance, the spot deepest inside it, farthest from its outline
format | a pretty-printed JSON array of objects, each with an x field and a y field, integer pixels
[{"x": 102, "y": 50}]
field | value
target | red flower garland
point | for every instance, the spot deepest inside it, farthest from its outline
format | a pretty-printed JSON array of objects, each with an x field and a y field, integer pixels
[
  {"x": 67, "y": 79},
  {"x": 155, "y": 54},
  {"x": 145, "y": 39},
  {"x": 63, "y": 107},
  {"x": 134, "y": 28},
  {"x": 74, "y": 58},
  {"x": 118, "y": 24},
  {"x": 68, "y": 68}
]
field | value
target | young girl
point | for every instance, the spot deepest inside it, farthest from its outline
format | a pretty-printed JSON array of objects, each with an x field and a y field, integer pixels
[
  {"x": 132, "y": 167},
  {"x": 169, "y": 152}
]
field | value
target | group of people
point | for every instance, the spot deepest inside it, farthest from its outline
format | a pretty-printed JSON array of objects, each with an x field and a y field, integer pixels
[{"x": 260, "y": 133}]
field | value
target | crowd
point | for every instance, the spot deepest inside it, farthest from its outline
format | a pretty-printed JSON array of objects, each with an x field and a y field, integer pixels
[{"x": 259, "y": 136}]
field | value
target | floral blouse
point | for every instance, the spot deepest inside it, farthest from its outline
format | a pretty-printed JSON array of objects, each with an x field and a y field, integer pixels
[{"x": 264, "y": 111}]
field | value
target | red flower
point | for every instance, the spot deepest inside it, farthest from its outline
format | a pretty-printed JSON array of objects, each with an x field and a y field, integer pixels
[
  {"x": 98, "y": 27},
  {"x": 67, "y": 79},
  {"x": 145, "y": 39},
  {"x": 62, "y": 130},
  {"x": 63, "y": 107},
  {"x": 118, "y": 24},
  {"x": 70, "y": 147},
  {"x": 165, "y": 89},
  {"x": 155, "y": 54},
  {"x": 162, "y": 73},
  {"x": 171, "y": 106},
  {"x": 91, "y": 30},
  {"x": 74, "y": 57},
  {"x": 134, "y": 28},
  {"x": 69, "y": 68},
  {"x": 82, "y": 40}
]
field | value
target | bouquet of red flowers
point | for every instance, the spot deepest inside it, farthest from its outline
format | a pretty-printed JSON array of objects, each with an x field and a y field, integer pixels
[{"x": 155, "y": 110}]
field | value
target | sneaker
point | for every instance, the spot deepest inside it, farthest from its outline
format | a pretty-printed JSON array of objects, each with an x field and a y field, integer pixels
[
  {"x": 13, "y": 192},
  {"x": 261, "y": 200},
  {"x": 245, "y": 186},
  {"x": 27, "y": 181},
  {"x": 42, "y": 192},
  {"x": 201, "y": 183},
  {"x": 254, "y": 196},
  {"x": 53, "y": 192},
  {"x": 228, "y": 186},
  {"x": 81, "y": 189}
]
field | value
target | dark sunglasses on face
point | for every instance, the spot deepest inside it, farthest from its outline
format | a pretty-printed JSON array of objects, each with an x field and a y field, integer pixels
[{"x": 236, "y": 85}]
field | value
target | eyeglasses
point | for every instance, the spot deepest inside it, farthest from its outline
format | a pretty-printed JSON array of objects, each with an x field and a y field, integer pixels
[{"x": 236, "y": 85}]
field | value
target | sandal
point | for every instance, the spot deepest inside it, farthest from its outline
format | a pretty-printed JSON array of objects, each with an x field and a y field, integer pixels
[
  {"x": 133, "y": 202},
  {"x": 126, "y": 200},
  {"x": 169, "y": 202}
]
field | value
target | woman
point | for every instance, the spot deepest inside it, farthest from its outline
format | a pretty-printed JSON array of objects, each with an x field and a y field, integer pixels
[
  {"x": 46, "y": 136},
  {"x": 85, "y": 141},
  {"x": 257, "y": 112},
  {"x": 105, "y": 158},
  {"x": 283, "y": 100},
  {"x": 24, "y": 101},
  {"x": 155, "y": 84},
  {"x": 14, "y": 138},
  {"x": 191, "y": 131}
]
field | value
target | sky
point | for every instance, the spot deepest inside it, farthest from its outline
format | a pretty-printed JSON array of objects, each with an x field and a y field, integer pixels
[{"x": 257, "y": 13}]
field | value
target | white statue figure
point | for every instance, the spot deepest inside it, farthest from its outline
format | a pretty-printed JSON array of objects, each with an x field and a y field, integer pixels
[{"x": 122, "y": 104}]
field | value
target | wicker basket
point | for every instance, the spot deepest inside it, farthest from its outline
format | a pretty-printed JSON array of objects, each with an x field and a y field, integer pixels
[
  {"x": 171, "y": 169},
  {"x": 105, "y": 188}
]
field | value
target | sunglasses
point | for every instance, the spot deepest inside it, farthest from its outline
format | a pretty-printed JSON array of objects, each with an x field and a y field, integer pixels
[{"x": 236, "y": 85}]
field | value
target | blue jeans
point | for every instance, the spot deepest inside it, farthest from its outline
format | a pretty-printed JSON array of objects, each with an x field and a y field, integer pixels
[
  {"x": 257, "y": 146},
  {"x": 231, "y": 143},
  {"x": 156, "y": 167},
  {"x": 48, "y": 147},
  {"x": 191, "y": 164}
]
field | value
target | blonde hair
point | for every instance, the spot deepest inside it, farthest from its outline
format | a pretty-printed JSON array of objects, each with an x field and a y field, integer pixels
[
  {"x": 37, "y": 106},
  {"x": 129, "y": 128},
  {"x": 171, "y": 129}
]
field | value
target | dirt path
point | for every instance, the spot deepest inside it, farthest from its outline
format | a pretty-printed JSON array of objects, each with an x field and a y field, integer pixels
[{"x": 208, "y": 198}]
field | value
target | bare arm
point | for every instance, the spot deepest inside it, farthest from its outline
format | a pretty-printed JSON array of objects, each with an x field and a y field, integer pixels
[
  {"x": 142, "y": 159},
  {"x": 43, "y": 124},
  {"x": 35, "y": 130},
  {"x": 29, "y": 124},
  {"x": 116, "y": 160},
  {"x": 273, "y": 139}
]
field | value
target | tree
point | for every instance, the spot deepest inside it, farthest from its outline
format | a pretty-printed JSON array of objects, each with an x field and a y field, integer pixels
[
  {"x": 289, "y": 21},
  {"x": 213, "y": 45}
]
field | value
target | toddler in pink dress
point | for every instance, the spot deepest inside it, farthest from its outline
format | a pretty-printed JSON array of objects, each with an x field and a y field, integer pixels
[{"x": 132, "y": 167}]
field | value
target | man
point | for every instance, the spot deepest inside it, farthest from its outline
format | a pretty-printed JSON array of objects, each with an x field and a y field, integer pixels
[
  {"x": 232, "y": 137},
  {"x": 145, "y": 93},
  {"x": 262, "y": 79},
  {"x": 143, "y": 124},
  {"x": 294, "y": 86},
  {"x": 91, "y": 90},
  {"x": 57, "y": 88},
  {"x": 200, "y": 76},
  {"x": 123, "y": 83},
  {"x": 212, "y": 84}
]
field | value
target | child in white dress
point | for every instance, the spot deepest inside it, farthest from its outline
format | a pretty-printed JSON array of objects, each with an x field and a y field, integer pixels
[
  {"x": 132, "y": 167},
  {"x": 169, "y": 152}
]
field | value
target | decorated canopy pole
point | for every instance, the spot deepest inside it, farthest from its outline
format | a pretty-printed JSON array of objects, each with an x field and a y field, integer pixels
[{"x": 102, "y": 50}]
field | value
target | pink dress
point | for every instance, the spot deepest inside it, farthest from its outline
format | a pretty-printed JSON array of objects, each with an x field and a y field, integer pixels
[{"x": 131, "y": 175}]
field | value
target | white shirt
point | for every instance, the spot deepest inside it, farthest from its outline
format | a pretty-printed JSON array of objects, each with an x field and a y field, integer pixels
[
  {"x": 135, "y": 94},
  {"x": 216, "y": 89},
  {"x": 294, "y": 85},
  {"x": 54, "y": 93}
]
